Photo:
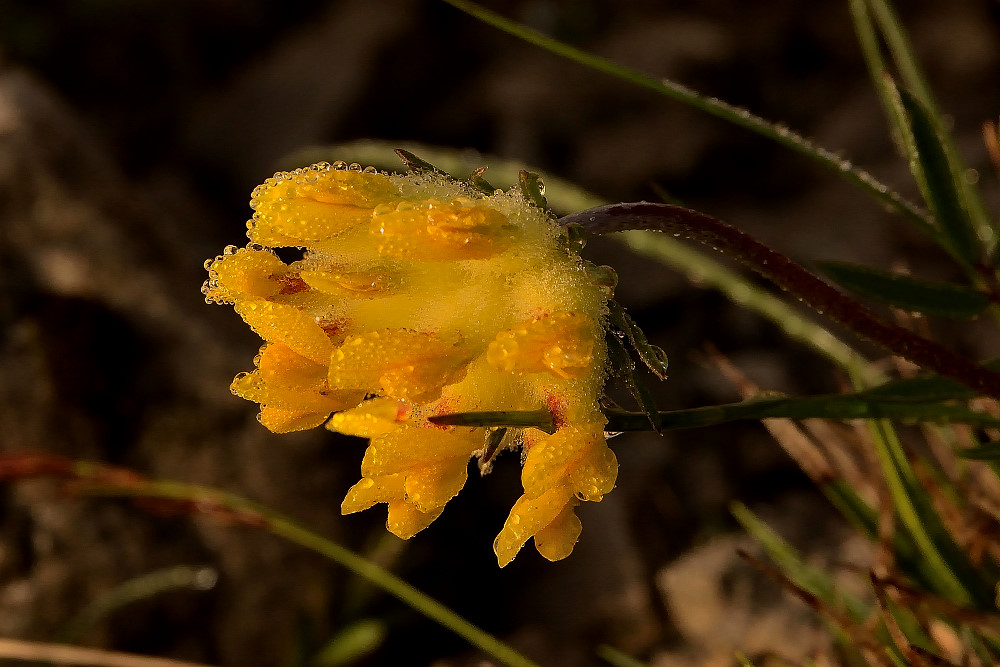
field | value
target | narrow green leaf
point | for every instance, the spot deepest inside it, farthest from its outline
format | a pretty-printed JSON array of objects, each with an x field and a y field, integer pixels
[
  {"x": 932, "y": 171},
  {"x": 948, "y": 567},
  {"x": 924, "y": 389},
  {"x": 828, "y": 406},
  {"x": 989, "y": 451},
  {"x": 654, "y": 358},
  {"x": 906, "y": 63},
  {"x": 943, "y": 185},
  {"x": 623, "y": 366},
  {"x": 908, "y": 293}
]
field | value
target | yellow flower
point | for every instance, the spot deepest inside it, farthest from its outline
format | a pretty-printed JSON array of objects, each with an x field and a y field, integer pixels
[{"x": 416, "y": 295}]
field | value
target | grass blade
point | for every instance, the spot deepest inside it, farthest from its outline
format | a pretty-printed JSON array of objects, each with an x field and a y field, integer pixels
[
  {"x": 905, "y": 60},
  {"x": 947, "y": 566},
  {"x": 712, "y": 106},
  {"x": 989, "y": 451}
]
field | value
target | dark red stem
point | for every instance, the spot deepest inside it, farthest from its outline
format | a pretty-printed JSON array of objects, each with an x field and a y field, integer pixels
[{"x": 791, "y": 277}]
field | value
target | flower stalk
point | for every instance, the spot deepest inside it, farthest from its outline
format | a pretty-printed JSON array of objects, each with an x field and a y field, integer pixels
[{"x": 786, "y": 274}]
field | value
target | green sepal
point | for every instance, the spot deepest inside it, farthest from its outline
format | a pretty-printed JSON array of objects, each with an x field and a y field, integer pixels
[
  {"x": 532, "y": 188},
  {"x": 623, "y": 366},
  {"x": 416, "y": 163},
  {"x": 478, "y": 182},
  {"x": 574, "y": 236},
  {"x": 908, "y": 293},
  {"x": 654, "y": 357},
  {"x": 604, "y": 277}
]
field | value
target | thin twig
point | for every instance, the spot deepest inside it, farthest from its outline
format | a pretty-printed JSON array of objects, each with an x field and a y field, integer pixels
[
  {"x": 63, "y": 654},
  {"x": 791, "y": 277}
]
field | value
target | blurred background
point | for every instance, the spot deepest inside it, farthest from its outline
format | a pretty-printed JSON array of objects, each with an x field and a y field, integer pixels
[{"x": 131, "y": 135}]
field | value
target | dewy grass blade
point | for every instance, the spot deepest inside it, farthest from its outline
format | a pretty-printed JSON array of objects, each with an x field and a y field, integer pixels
[
  {"x": 715, "y": 107},
  {"x": 940, "y": 183},
  {"x": 906, "y": 62}
]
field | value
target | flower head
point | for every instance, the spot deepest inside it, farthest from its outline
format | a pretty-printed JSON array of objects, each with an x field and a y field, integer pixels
[{"x": 417, "y": 295}]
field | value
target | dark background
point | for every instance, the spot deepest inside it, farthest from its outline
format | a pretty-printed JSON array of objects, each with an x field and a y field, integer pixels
[{"x": 131, "y": 134}]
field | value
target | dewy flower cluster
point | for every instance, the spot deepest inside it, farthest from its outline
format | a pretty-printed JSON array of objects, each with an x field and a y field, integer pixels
[{"x": 417, "y": 295}]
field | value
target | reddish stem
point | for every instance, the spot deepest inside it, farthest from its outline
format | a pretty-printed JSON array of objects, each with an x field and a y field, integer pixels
[{"x": 791, "y": 277}]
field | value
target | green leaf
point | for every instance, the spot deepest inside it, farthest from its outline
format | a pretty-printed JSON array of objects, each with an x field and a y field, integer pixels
[
  {"x": 989, "y": 451},
  {"x": 944, "y": 563},
  {"x": 654, "y": 358},
  {"x": 939, "y": 182},
  {"x": 829, "y": 406},
  {"x": 623, "y": 366},
  {"x": 905, "y": 60},
  {"x": 908, "y": 293},
  {"x": 924, "y": 389},
  {"x": 944, "y": 184}
]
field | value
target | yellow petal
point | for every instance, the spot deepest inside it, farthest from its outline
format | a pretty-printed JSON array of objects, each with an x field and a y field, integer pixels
[
  {"x": 372, "y": 418},
  {"x": 595, "y": 474},
  {"x": 527, "y": 517},
  {"x": 411, "y": 447},
  {"x": 315, "y": 205},
  {"x": 441, "y": 231},
  {"x": 350, "y": 283},
  {"x": 551, "y": 460},
  {"x": 281, "y": 323},
  {"x": 282, "y": 366},
  {"x": 253, "y": 388},
  {"x": 556, "y": 540},
  {"x": 370, "y": 491},
  {"x": 405, "y": 520},
  {"x": 561, "y": 343},
  {"x": 278, "y": 420},
  {"x": 247, "y": 274},
  {"x": 434, "y": 485},
  {"x": 398, "y": 362}
]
